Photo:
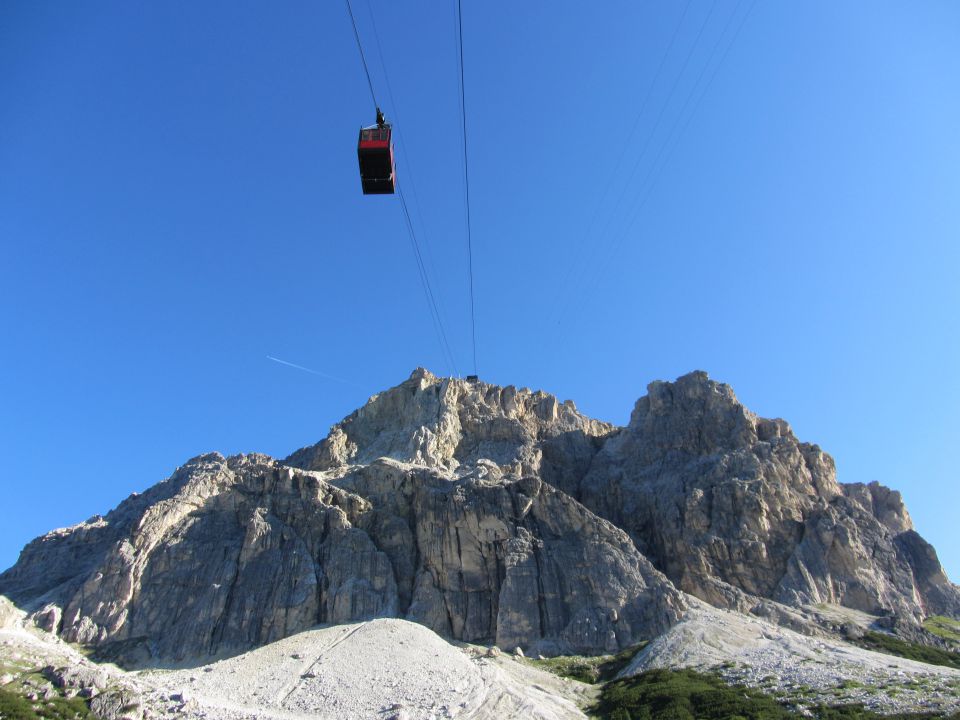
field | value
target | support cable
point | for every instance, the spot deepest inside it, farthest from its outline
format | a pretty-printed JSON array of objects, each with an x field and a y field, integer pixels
[
  {"x": 589, "y": 268},
  {"x": 676, "y": 133},
  {"x": 427, "y": 289},
  {"x": 659, "y": 120},
  {"x": 402, "y": 138},
  {"x": 418, "y": 255},
  {"x": 363, "y": 59},
  {"x": 620, "y": 156},
  {"x": 466, "y": 184}
]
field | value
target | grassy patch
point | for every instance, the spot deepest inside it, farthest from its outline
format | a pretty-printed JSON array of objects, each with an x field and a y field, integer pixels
[
  {"x": 850, "y": 684},
  {"x": 689, "y": 695},
  {"x": 684, "y": 695},
  {"x": 12, "y": 668},
  {"x": 912, "y": 651},
  {"x": 947, "y": 628},
  {"x": 589, "y": 669},
  {"x": 857, "y": 712},
  {"x": 16, "y": 707}
]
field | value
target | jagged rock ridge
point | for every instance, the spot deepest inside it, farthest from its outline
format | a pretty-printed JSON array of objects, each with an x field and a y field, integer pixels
[
  {"x": 487, "y": 514},
  {"x": 727, "y": 503}
]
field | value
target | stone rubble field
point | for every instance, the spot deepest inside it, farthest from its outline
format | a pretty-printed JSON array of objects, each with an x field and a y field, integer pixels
[
  {"x": 801, "y": 669},
  {"x": 397, "y": 670},
  {"x": 379, "y": 669},
  {"x": 389, "y": 669}
]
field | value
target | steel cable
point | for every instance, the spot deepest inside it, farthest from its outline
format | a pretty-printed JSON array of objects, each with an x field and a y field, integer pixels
[
  {"x": 432, "y": 304},
  {"x": 673, "y": 137},
  {"x": 620, "y": 157},
  {"x": 363, "y": 59},
  {"x": 466, "y": 184}
]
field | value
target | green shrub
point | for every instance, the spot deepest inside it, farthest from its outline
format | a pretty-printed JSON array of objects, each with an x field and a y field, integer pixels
[
  {"x": 857, "y": 712},
  {"x": 947, "y": 628},
  {"x": 16, "y": 707},
  {"x": 589, "y": 669},
  {"x": 684, "y": 695},
  {"x": 891, "y": 645}
]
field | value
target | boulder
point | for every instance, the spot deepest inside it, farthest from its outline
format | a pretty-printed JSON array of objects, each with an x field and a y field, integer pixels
[{"x": 120, "y": 704}]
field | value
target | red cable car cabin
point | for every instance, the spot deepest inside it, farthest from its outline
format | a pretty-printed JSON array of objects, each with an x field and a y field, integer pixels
[{"x": 375, "y": 152}]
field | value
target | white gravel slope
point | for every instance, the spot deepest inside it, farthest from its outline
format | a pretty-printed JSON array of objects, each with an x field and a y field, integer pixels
[
  {"x": 397, "y": 669},
  {"x": 379, "y": 669},
  {"x": 800, "y": 668}
]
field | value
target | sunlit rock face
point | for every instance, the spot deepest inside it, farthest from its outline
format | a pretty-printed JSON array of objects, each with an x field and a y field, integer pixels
[
  {"x": 489, "y": 514},
  {"x": 725, "y": 502},
  {"x": 449, "y": 424}
]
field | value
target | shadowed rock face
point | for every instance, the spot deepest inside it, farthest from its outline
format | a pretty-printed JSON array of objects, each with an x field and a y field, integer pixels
[
  {"x": 515, "y": 560},
  {"x": 247, "y": 551},
  {"x": 487, "y": 514},
  {"x": 240, "y": 552},
  {"x": 726, "y": 502}
]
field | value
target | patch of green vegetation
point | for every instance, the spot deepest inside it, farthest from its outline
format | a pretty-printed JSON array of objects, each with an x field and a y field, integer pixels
[
  {"x": 684, "y": 695},
  {"x": 858, "y": 712},
  {"x": 891, "y": 645},
  {"x": 12, "y": 668},
  {"x": 689, "y": 695},
  {"x": 850, "y": 684},
  {"x": 589, "y": 669},
  {"x": 16, "y": 707},
  {"x": 947, "y": 628}
]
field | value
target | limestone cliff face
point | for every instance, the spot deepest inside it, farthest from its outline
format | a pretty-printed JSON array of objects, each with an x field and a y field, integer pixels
[
  {"x": 447, "y": 423},
  {"x": 488, "y": 514},
  {"x": 232, "y": 553},
  {"x": 725, "y": 503},
  {"x": 487, "y": 556}
]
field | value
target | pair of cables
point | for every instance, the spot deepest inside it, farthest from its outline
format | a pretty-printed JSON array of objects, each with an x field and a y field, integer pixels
[
  {"x": 594, "y": 263},
  {"x": 430, "y": 296}
]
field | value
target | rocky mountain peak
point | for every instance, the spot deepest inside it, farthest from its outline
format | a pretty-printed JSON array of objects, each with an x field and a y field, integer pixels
[
  {"x": 487, "y": 513},
  {"x": 450, "y": 424},
  {"x": 700, "y": 416},
  {"x": 694, "y": 465},
  {"x": 883, "y": 503}
]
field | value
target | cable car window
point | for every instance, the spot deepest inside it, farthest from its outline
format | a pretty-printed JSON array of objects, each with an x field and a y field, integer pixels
[{"x": 375, "y": 135}]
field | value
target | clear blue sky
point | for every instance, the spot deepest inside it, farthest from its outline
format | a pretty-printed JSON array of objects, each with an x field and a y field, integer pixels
[{"x": 179, "y": 199}]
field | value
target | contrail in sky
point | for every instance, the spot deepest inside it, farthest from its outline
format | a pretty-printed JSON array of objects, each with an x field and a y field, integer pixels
[{"x": 312, "y": 372}]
